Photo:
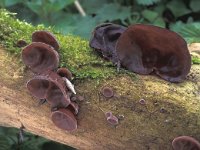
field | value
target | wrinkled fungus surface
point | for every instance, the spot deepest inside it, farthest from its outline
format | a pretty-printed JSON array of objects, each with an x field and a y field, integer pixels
[
  {"x": 64, "y": 119},
  {"x": 40, "y": 57},
  {"x": 107, "y": 92},
  {"x": 51, "y": 87},
  {"x": 145, "y": 49},
  {"x": 104, "y": 39},
  {"x": 45, "y": 37},
  {"x": 185, "y": 143}
]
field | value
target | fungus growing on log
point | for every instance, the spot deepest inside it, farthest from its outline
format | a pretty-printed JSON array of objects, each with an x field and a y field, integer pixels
[
  {"x": 185, "y": 143},
  {"x": 113, "y": 120},
  {"x": 64, "y": 119},
  {"x": 40, "y": 57},
  {"x": 45, "y": 37},
  {"x": 145, "y": 49},
  {"x": 51, "y": 87},
  {"x": 107, "y": 92},
  {"x": 64, "y": 72},
  {"x": 104, "y": 39}
]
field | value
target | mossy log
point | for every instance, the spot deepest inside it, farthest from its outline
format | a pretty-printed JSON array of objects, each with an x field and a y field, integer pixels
[{"x": 171, "y": 109}]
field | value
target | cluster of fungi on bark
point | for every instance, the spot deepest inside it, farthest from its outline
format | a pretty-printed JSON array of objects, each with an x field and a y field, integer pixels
[
  {"x": 49, "y": 82},
  {"x": 144, "y": 49}
]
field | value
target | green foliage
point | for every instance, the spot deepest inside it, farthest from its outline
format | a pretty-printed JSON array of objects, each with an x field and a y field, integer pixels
[
  {"x": 190, "y": 31},
  {"x": 9, "y": 141},
  {"x": 147, "y": 2},
  {"x": 113, "y": 11},
  {"x": 195, "y": 5},
  {"x": 178, "y": 8},
  {"x": 7, "y": 3},
  {"x": 195, "y": 60},
  {"x": 65, "y": 18}
]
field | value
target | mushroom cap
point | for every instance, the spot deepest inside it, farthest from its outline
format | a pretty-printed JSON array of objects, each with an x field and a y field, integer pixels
[
  {"x": 113, "y": 120},
  {"x": 107, "y": 92},
  {"x": 64, "y": 119},
  {"x": 51, "y": 87},
  {"x": 64, "y": 72},
  {"x": 142, "y": 101},
  {"x": 145, "y": 49},
  {"x": 185, "y": 143},
  {"x": 104, "y": 39},
  {"x": 40, "y": 57},
  {"x": 45, "y": 37}
]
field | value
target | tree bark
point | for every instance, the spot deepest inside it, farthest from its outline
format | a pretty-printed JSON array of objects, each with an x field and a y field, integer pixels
[{"x": 170, "y": 110}]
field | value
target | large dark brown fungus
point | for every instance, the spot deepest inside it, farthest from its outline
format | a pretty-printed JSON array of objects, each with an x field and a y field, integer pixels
[
  {"x": 185, "y": 143},
  {"x": 51, "y": 87},
  {"x": 107, "y": 92},
  {"x": 45, "y": 37},
  {"x": 145, "y": 49},
  {"x": 64, "y": 119},
  {"x": 104, "y": 39},
  {"x": 64, "y": 72},
  {"x": 40, "y": 57}
]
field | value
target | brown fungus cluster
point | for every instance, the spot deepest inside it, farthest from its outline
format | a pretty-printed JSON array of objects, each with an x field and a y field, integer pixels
[
  {"x": 49, "y": 83},
  {"x": 104, "y": 39},
  {"x": 144, "y": 49}
]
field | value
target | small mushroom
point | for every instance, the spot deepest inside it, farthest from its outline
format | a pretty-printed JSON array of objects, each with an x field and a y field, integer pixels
[
  {"x": 107, "y": 92},
  {"x": 51, "y": 87},
  {"x": 104, "y": 39},
  {"x": 145, "y": 49},
  {"x": 142, "y": 101},
  {"x": 40, "y": 57},
  {"x": 113, "y": 120},
  {"x": 64, "y": 119},
  {"x": 45, "y": 37},
  {"x": 185, "y": 143},
  {"x": 64, "y": 72}
]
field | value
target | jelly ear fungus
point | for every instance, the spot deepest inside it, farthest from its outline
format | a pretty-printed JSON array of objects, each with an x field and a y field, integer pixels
[
  {"x": 45, "y": 37},
  {"x": 64, "y": 119},
  {"x": 40, "y": 57},
  {"x": 104, "y": 38},
  {"x": 145, "y": 49},
  {"x": 185, "y": 143}
]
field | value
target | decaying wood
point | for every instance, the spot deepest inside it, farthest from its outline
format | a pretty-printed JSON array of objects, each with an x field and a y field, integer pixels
[{"x": 171, "y": 110}]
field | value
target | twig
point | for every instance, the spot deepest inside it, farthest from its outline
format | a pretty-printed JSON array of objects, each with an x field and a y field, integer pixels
[{"x": 80, "y": 8}]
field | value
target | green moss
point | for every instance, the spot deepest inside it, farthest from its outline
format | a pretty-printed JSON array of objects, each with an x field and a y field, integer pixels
[
  {"x": 195, "y": 60},
  {"x": 74, "y": 51}
]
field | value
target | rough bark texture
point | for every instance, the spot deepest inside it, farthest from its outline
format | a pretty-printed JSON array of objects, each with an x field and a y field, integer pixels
[{"x": 143, "y": 126}]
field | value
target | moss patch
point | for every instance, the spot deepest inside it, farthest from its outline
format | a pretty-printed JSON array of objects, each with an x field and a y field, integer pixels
[{"x": 74, "y": 51}]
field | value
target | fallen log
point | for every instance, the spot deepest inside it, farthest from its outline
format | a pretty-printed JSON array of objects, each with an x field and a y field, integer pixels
[{"x": 170, "y": 109}]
